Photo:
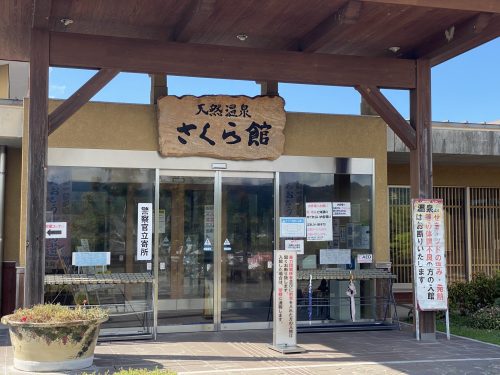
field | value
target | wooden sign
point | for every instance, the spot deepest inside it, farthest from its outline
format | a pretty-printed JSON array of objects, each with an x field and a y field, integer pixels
[{"x": 222, "y": 126}]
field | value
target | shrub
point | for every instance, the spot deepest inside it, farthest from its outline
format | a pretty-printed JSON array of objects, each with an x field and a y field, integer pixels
[
  {"x": 56, "y": 314},
  {"x": 469, "y": 297},
  {"x": 487, "y": 318}
]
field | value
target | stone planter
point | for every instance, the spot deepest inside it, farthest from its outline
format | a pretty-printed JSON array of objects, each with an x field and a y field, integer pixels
[{"x": 53, "y": 346}]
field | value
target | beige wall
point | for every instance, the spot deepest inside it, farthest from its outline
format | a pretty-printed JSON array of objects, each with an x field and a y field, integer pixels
[
  {"x": 12, "y": 202},
  {"x": 4, "y": 82},
  {"x": 133, "y": 127},
  {"x": 449, "y": 175}
]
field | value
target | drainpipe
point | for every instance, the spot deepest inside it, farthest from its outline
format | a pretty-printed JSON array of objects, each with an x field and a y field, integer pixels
[{"x": 2, "y": 193}]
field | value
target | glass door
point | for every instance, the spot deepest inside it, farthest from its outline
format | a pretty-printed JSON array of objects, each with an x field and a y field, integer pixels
[
  {"x": 247, "y": 243},
  {"x": 215, "y": 252},
  {"x": 186, "y": 251}
]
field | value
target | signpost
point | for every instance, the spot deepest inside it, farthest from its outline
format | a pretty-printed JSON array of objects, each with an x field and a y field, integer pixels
[
  {"x": 285, "y": 303},
  {"x": 429, "y": 275}
]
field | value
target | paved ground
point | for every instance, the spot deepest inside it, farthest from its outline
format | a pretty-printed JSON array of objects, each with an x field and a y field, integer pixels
[{"x": 246, "y": 352}]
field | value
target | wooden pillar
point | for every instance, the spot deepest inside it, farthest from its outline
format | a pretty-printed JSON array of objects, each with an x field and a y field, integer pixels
[
  {"x": 269, "y": 88},
  {"x": 366, "y": 109},
  {"x": 158, "y": 87},
  {"x": 37, "y": 167},
  {"x": 421, "y": 161}
]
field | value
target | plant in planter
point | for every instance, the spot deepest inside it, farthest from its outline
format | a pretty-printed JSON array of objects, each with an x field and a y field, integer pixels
[{"x": 54, "y": 337}]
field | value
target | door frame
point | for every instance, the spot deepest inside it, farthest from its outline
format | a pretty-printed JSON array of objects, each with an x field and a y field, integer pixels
[{"x": 217, "y": 175}]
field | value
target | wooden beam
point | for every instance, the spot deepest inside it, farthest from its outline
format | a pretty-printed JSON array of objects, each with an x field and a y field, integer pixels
[
  {"x": 94, "y": 52},
  {"x": 321, "y": 34},
  {"x": 37, "y": 167},
  {"x": 389, "y": 114},
  {"x": 80, "y": 97},
  {"x": 421, "y": 162},
  {"x": 491, "y": 6},
  {"x": 196, "y": 14},
  {"x": 459, "y": 38},
  {"x": 41, "y": 13}
]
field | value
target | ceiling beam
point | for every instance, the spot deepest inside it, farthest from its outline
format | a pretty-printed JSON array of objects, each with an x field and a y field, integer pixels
[
  {"x": 197, "y": 13},
  {"x": 458, "y": 39},
  {"x": 94, "y": 52},
  {"x": 389, "y": 114},
  {"x": 322, "y": 33},
  {"x": 76, "y": 101},
  {"x": 490, "y": 6},
  {"x": 41, "y": 14}
]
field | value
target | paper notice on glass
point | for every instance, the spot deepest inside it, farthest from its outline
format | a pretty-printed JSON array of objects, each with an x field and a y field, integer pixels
[
  {"x": 295, "y": 245},
  {"x": 162, "y": 221},
  {"x": 319, "y": 221},
  {"x": 144, "y": 231},
  {"x": 335, "y": 256},
  {"x": 292, "y": 227},
  {"x": 342, "y": 209}
]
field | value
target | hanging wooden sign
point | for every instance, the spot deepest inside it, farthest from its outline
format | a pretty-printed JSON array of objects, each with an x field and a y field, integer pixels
[{"x": 222, "y": 126}]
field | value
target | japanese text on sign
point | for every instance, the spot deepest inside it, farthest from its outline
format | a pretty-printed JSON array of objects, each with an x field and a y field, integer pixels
[
  {"x": 285, "y": 300},
  {"x": 319, "y": 221},
  {"x": 429, "y": 254},
  {"x": 229, "y": 127},
  {"x": 144, "y": 231}
]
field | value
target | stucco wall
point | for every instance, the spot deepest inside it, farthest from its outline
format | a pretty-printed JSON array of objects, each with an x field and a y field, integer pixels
[
  {"x": 449, "y": 175},
  {"x": 4, "y": 81},
  {"x": 12, "y": 203}
]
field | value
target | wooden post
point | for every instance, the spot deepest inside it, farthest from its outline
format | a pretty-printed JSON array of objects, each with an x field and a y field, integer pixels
[
  {"x": 37, "y": 167},
  {"x": 269, "y": 88},
  {"x": 158, "y": 87},
  {"x": 421, "y": 162}
]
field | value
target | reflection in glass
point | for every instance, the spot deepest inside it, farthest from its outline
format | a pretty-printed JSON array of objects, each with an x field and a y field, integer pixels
[
  {"x": 99, "y": 207},
  {"x": 186, "y": 236},
  {"x": 248, "y": 231}
]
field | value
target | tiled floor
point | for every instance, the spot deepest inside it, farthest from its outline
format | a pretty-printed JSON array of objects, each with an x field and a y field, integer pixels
[{"x": 246, "y": 352}]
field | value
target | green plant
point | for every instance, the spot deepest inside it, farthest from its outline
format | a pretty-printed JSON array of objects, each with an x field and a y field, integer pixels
[
  {"x": 48, "y": 313},
  {"x": 469, "y": 297},
  {"x": 487, "y": 318}
]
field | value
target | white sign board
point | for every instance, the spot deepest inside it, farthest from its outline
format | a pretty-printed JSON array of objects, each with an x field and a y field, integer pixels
[
  {"x": 162, "y": 223},
  {"x": 295, "y": 245},
  {"x": 341, "y": 209},
  {"x": 429, "y": 254},
  {"x": 292, "y": 227},
  {"x": 55, "y": 229},
  {"x": 91, "y": 258},
  {"x": 335, "y": 256},
  {"x": 365, "y": 258},
  {"x": 285, "y": 298},
  {"x": 319, "y": 221},
  {"x": 144, "y": 231}
]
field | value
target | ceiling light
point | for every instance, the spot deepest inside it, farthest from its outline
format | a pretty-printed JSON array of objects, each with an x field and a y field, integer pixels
[
  {"x": 66, "y": 21},
  {"x": 394, "y": 49},
  {"x": 242, "y": 37}
]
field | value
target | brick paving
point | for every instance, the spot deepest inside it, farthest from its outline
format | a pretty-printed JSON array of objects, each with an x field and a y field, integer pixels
[{"x": 246, "y": 352}]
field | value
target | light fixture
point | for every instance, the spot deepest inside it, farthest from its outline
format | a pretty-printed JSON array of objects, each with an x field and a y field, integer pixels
[
  {"x": 394, "y": 49},
  {"x": 242, "y": 37},
  {"x": 66, "y": 21}
]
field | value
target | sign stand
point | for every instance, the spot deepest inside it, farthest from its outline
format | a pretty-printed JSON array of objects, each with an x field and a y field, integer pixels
[
  {"x": 429, "y": 259},
  {"x": 285, "y": 303}
]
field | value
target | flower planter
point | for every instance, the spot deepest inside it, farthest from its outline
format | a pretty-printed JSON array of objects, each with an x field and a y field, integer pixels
[{"x": 53, "y": 346}]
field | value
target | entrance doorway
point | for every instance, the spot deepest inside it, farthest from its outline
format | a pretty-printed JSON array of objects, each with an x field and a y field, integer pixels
[{"x": 216, "y": 242}]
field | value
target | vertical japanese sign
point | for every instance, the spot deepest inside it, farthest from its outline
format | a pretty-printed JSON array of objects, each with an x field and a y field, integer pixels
[
  {"x": 429, "y": 254},
  {"x": 222, "y": 126},
  {"x": 144, "y": 231},
  {"x": 285, "y": 299},
  {"x": 319, "y": 221}
]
